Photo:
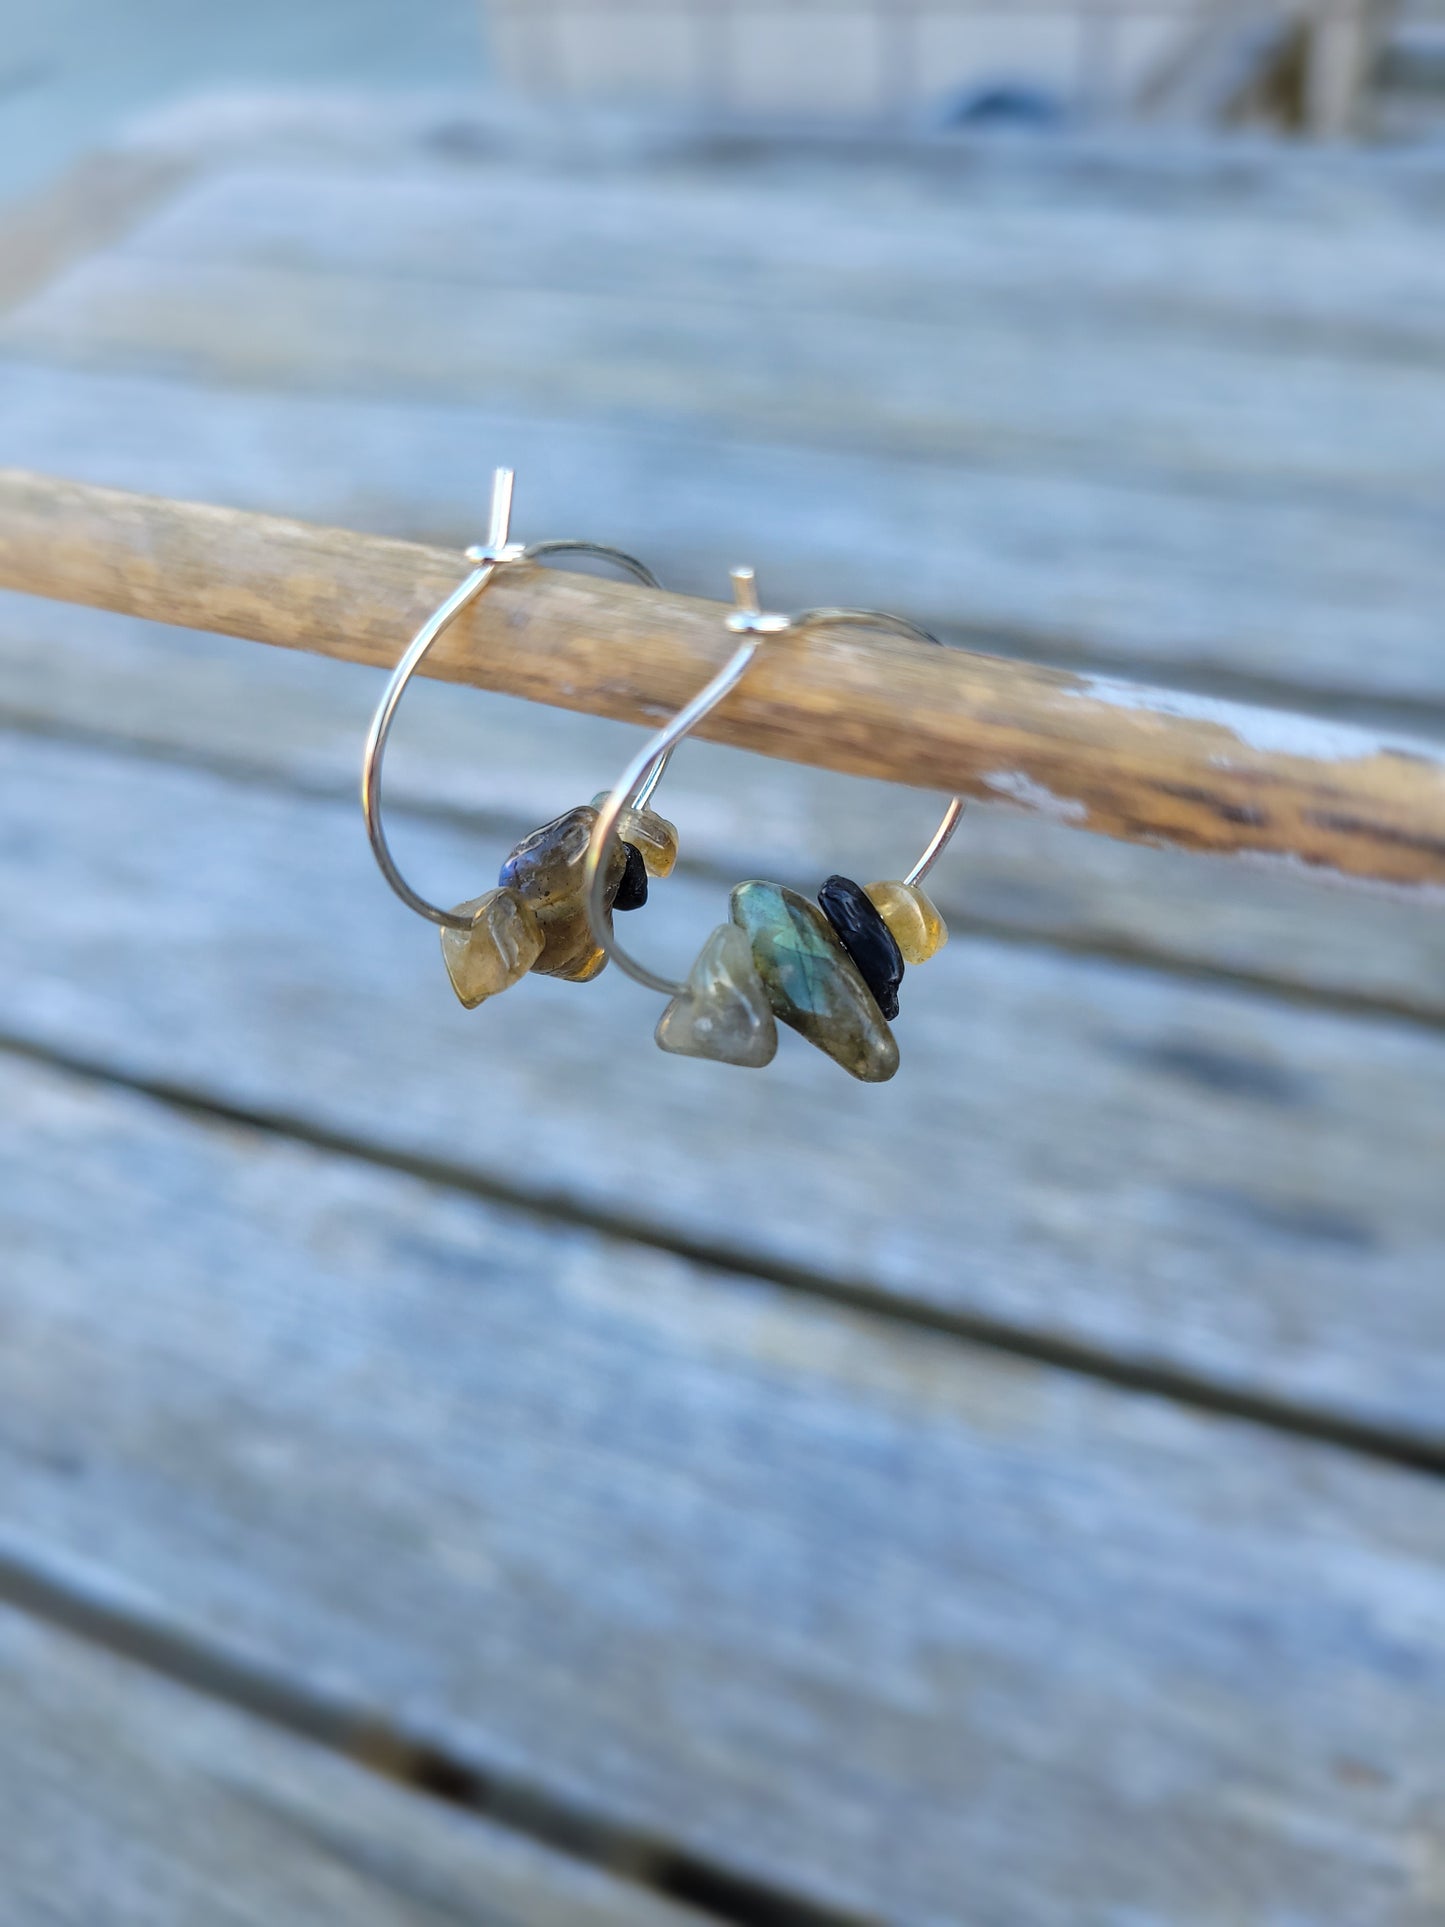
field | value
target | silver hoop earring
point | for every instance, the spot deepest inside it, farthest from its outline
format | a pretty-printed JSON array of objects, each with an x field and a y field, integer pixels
[
  {"x": 538, "y": 917},
  {"x": 831, "y": 969}
]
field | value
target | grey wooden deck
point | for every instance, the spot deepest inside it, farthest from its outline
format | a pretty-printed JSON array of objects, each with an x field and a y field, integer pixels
[{"x": 483, "y": 1470}]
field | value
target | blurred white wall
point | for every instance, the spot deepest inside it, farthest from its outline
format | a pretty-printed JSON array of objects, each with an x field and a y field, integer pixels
[{"x": 828, "y": 59}]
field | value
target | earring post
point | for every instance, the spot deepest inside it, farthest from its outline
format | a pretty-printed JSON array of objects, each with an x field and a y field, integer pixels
[{"x": 503, "y": 482}]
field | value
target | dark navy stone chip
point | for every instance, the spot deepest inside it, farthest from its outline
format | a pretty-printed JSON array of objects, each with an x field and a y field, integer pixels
[
  {"x": 867, "y": 939},
  {"x": 632, "y": 891}
]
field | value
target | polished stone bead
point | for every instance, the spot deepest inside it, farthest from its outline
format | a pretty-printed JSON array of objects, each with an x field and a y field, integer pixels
[
  {"x": 862, "y": 932},
  {"x": 502, "y": 945},
  {"x": 812, "y": 983},
  {"x": 724, "y": 1013},
  {"x": 917, "y": 927},
  {"x": 648, "y": 832},
  {"x": 546, "y": 869},
  {"x": 632, "y": 891}
]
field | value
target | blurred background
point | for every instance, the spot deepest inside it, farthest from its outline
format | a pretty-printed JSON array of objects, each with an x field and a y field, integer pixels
[
  {"x": 472, "y": 1466},
  {"x": 1328, "y": 69}
]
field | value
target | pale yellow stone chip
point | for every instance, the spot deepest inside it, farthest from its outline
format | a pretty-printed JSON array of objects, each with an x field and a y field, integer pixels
[
  {"x": 651, "y": 835},
  {"x": 505, "y": 940},
  {"x": 918, "y": 930}
]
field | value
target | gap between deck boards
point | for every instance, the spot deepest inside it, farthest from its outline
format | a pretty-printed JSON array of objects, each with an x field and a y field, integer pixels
[
  {"x": 508, "y": 826},
  {"x": 1154, "y": 1379},
  {"x": 94, "y": 203},
  {"x": 941, "y": 1460},
  {"x": 105, "y": 1620},
  {"x": 713, "y": 1889}
]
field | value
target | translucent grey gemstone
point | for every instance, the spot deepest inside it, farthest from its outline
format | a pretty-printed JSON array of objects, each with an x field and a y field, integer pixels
[
  {"x": 724, "y": 1013},
  {"x": 502, "y": 945},
  {"x": 546, "y": 870}
]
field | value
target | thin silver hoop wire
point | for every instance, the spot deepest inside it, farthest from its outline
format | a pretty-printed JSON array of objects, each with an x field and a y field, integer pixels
[
  {"x": 495, "y": 553},
  {"x": 900, "y": 625},
  {"x": 756, "y": 627}
]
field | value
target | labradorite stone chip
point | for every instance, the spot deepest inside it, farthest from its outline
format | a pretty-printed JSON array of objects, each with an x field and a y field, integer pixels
[
  {"x": 812, "y": 983},
  {"x": 867, "y": 939},
  {"x": 632, "y": 891},
  {"x": 724, "y": 1012},
  {"x": 546, "y": 869}
]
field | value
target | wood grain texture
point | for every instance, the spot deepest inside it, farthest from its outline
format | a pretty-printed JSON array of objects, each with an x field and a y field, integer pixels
[
  {"x": 293, "y": 720},
  {"x": 912, "y": 1630},
  {"x": 1100, "y": 755},
  {"x": 1340, "y": 260},
  {"x": 412, "y": 468},
  {"x": 920, "y": 1635},
  {"x": 133, "y": 1802},
  {"x": 512, "y": 285},
  {"x": 1162, "y": 1174},
  {"x": 1202, "y": 460},
  {"x": 946, "y": 379},
  {"x": 1240, "y": 592}
]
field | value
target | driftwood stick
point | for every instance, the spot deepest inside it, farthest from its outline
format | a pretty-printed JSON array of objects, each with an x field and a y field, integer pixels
[{"x": 1141, "y": 764}]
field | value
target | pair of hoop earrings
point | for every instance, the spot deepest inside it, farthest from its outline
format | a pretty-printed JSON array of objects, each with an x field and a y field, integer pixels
[{"x": 829, "y": 969}]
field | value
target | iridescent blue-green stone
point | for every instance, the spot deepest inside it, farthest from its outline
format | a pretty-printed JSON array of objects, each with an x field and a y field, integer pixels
[{"x": 812, "y": 983}]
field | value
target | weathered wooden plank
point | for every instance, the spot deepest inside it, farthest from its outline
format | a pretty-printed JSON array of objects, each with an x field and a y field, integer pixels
[
  {"x": 383, "y": 468},
  {"x": 1300, "y": 591},
  {"x": 1334, "y": 265},
  {"x": 290, "y": 719},
  {"x": 1087, "y": 1154},
  {"x": 922, "y": 1635},
  {"x": 1076, "y": 387},
  {"x": 132, "y": 1801},
  {"x": 1044, "y": 390}
]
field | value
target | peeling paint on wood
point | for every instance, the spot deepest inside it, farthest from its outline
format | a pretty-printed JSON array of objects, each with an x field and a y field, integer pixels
[
  {"x": 1026, "y": 794},
  {"x": 1271, "y": 732}
]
